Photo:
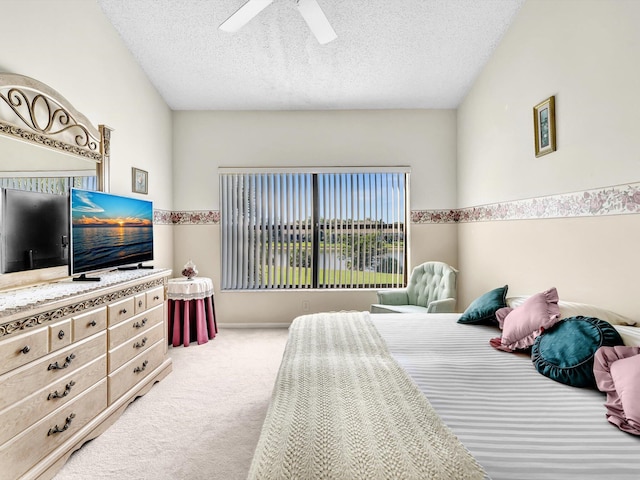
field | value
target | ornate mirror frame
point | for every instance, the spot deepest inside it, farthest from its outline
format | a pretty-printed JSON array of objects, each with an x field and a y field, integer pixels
[{"x": 34, "y": 113}]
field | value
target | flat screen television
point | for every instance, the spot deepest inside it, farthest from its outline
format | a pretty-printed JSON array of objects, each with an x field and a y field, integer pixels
[
  {"x": 109, "y": 231},
  {"x": 34, "y": 230}
]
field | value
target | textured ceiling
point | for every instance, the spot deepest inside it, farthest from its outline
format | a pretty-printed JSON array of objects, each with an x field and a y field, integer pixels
[{"x": 388, "y": 54}]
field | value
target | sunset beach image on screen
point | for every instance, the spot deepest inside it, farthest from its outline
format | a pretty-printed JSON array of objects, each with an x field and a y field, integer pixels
[{"x": 109, "y": 230}]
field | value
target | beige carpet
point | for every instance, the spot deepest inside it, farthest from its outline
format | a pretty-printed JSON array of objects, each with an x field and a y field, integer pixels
[{"x": 201, "y": 422}]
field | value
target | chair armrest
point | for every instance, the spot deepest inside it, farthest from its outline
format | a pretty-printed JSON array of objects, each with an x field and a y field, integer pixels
[
  {"x": 446, "y": 305},
  {"x": 393, "y": 297}
]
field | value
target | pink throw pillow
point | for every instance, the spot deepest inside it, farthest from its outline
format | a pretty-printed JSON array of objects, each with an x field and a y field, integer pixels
[
  {"x": 501, "y": 314},
  {"x": 617, "y": 372},
  {"x": 523, "y": 324}
]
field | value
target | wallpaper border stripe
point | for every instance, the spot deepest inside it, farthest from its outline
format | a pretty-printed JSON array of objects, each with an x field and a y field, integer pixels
[
  {"x": 193, "y": 217},
  {"x": 616, "y": 200}
]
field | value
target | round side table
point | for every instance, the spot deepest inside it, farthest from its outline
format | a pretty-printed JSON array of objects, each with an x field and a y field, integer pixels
[{"x": 191, "y": 311}]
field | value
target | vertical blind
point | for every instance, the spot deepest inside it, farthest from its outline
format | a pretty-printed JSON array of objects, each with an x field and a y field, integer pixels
[
  {"x": 57, "y": 185},
  {"x": 313, "y": 230}
]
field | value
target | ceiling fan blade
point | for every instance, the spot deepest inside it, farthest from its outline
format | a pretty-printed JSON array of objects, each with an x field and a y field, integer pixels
[
  {"x": 244, "y": 14},
  {"x": 317, "y": 21}
]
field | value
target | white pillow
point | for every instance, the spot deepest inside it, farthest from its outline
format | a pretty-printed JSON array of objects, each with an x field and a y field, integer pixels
[
  {"x": 573, "y": 309},
  {"x": 514, "y": 302},
  {"x": 630, "y": 335}
]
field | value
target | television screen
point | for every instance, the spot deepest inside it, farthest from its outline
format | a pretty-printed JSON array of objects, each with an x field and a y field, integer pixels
[
  {"x": 109, "y": 231},
  {"x": 35, "y": 230}
]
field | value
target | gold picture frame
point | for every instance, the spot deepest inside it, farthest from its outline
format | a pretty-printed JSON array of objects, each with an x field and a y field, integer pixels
[
  {"x": 544, "y": 125},
  {"x": 139, "y": 180}
]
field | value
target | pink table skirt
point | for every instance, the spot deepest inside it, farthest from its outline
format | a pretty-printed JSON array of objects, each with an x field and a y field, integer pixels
[{"x": 191, "y": 320}]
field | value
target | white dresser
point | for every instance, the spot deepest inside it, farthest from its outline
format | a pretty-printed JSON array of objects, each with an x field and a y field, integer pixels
[{"x": 73, "y": 355}]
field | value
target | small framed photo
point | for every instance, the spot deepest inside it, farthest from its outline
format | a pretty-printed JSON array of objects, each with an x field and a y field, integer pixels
[
  {"x": 544, "y": 124},
  {"x": 139, "y": 181}
]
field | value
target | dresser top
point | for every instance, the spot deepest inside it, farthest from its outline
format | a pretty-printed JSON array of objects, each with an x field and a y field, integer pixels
[{"x": 24, "y": 299}]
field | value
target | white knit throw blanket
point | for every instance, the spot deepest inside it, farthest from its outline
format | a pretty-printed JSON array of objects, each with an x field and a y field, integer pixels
[{"x": 342, "y": 408}]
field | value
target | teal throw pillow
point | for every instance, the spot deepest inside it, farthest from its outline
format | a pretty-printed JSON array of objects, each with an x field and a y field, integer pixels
[
  {"x": 565, "y": 352},
  {"x": 483, "y": 309}
]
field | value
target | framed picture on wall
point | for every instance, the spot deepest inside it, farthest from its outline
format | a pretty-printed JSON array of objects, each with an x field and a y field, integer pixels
[
  {"x": 544, "y": 125},
  {"x": 139, "y": 180}
]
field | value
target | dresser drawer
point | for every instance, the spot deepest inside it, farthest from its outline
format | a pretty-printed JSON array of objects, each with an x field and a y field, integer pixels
[
  {"x": 21, "y": 349},
  {"x": 24, "y": 381},
  {"x": 155, "y": 296},
  {"x": 134, "y": 326},
  {"x": 136, "y": 345},
  {"x": 140, "y": 302},
  {"x": 88, "y": 323},
  {"x": 20, "y": 454},
  {"x": 120, "y": 311},
  {"x": 22, "y": 415},
  {"x": 59, "y": 335},
  {"x": 134, "y": 371}
]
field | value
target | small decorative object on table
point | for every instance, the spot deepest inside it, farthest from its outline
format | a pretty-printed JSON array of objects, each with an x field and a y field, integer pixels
[{"x": 190, "y": 271}]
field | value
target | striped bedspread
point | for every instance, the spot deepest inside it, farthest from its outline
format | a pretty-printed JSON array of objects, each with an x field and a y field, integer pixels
[{"x": 517, "y": 423}]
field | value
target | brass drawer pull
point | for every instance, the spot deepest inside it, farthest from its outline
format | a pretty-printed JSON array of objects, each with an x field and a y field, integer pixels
[
  {"x": 26, "y": 349},
  {"x": 66, "y": 425},
  {"x": 57, "y": 366},
  {"x": 141, "y": 369},
  {"x": 92, "y": 323},
  {"x": 67, "y": 390},
  {"x": 61, "y": 334},
  {"x": 139, "y": 303},
  {"x": 122, "y": 311},
  {"x": 156, "y": 297},
  {"x": 140, "y": 324},
  {"x": 140, "y": 344}
]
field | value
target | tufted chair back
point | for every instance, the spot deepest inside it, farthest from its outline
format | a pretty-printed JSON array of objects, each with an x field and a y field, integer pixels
[{"x": 431, "y": 281}]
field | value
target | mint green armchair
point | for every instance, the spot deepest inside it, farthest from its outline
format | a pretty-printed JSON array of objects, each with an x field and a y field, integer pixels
[{"x": 432, "y": 288}]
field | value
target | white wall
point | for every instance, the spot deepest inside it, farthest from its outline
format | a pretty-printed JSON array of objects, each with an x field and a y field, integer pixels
[
  {"x": 586, "y": 54},
  {"x": 70, "y": 46},
  {"x": 591, "y": 259},
  {"x": 425, "y": 140},
  {"x": 203, "y": 141}
]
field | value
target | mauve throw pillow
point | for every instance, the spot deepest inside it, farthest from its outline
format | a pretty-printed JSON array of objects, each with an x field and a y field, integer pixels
[
  {"x": 523, "y": 324},
  {"x": 626, "y": 375},
  {"x": 502, "y": 314},
  {"x": 617, "y": 373}
]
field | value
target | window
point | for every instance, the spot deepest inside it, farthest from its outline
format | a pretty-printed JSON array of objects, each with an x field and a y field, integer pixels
[{"x": 290, "y": 230}]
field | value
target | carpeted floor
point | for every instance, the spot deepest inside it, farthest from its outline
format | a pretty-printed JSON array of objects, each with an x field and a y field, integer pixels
[{"x": 201, "y": 422}]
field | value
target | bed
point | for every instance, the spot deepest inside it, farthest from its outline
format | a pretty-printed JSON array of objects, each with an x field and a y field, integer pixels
[{"x": 511, "y": 422}]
